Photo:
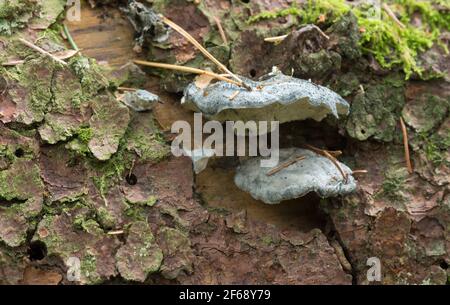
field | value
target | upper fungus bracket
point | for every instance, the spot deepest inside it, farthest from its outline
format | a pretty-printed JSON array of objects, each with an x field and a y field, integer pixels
[{"x": 274, "y": 97}]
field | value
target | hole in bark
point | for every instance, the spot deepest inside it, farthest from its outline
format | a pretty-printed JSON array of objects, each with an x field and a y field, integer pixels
[
  {"x": 19, "y": 153},
  {"x": 252, "y": 72},
  {"x": 37, "y": 250},
  {"x": 131, "y": 179},
  {"x": 363, "y": 131},
  {"x": 444, "y": 265}
]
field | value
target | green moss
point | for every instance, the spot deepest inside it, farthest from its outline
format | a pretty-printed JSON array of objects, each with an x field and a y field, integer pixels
[
  {"x": 87, "y": 224},
  {"x": 15, "y": 14},
  {"x": 20, "y": 181},
  {"x": 434, "y": 146},
  {"x": 291, "y": 11},
  {"x": 137, "y": 213},
  {"x": 149, "y": 147},
  {"x": 150, "y": 201},
  {"x": 267, "y": 240},
  {"x": 394, "y": 184},
  {"x": 376, "y": 111},
  {"x": 78, "y": 147},
  {"x": 91, "y": 75},
  {"x": 84, "y": 134},
  {"x": 105, "y": 218},
  {"x": 89, "y": 268},
  {"x": 110, "y": 171},
  {"x": 391, "y": 45}
]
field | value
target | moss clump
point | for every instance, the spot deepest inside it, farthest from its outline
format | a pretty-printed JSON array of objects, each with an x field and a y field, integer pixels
[
  {"x": 15, "y": 14},
  {"x": 434, "y": 146},
  {"x": 390, "y": 44},
  {"x": 375, "y": 112},
  {"x": 109, "y": 172},
  {"x": 393, "y": 185},
  {"x": 91, "y": 75},
  {"x": 149, "y": 202},
  {"x": 85, "y": 134}
]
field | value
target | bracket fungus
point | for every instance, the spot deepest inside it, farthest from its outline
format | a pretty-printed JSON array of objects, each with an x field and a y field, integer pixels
[
  {"x": 313, "y": 173},
  {"x": 140, "y": 100},
  {"x": 275, "y": 97}
]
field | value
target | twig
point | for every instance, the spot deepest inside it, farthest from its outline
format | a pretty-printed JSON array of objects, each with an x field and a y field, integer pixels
[
  {"x": 332, "y": 156},
  {"x": 221, "y": 31},
  {"x": 185, "y": 69},
  {"x": 192, "y": 40},
  {"x": 406, "y": 146},
  {"x": 126, "y": 89},
  {"x": 131, "y": 168},
  {"x": 284, "y": 165},
  {"x": 334, "y": 153},
  {"x": 336, "y": 163},
  {"x": 276, "y": 38},
  {"x": 233, "y": 96},
  {"x": 392, "y": 15},
  {"x": 118, "y": 232},
  {"x": 42, "y": 51},
  {"x": 69, "y": 38},
  {"x": 359, "y": 171}
]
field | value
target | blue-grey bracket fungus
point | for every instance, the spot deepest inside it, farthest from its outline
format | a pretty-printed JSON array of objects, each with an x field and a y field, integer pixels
[
  {"x": 140, "y": 100},
  {"x": 314, "y": 173},
  {"x": 275, "y": 97}
]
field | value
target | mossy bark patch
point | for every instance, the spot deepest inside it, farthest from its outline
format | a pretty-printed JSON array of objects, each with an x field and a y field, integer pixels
[
  {"x": 109, "y": 122},
  {"x": 140, "y": 255},
  {"x": 376, "y": 111},
  {"x": 92, "y": 247}
]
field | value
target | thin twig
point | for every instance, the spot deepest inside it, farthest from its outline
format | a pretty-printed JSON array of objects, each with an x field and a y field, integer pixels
[
  {"x": 284, "y": 165},
  {"x": 359, "y": 171},
  {"x": 126, "y": 89},
  {"x": 118, "y": 232},
  {"x": 185, "y": 69},
  {"x": 69, "y": 38},
  {"x": 221, "y": 31},
  {"x": 42, "y": 51},
  {"x": 233, "y": 96},
  {"x": 276, "y": 38},
  {"x": 392, "y": 15},
  {"x": 336, "y": 163},
  {"x": 330, "y": 155},
  {"x": 334, "y": 153},
  {"x": 406, "y": 146},
  {"x": 131, "y": 168},
  {"x": 192, "y": 40}
]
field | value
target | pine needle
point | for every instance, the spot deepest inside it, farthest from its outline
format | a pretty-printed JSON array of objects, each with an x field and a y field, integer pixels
[
  {"x": 406, "y": 146},
  {"x": 392, "y": 15},
  {"x": 205, "y": 52},
  {"x": 221, "y": 31},
  {"x": 284, "y": 165},
  {"x": 332, "y": 156},
  {"x": 185, "y": 69}
]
